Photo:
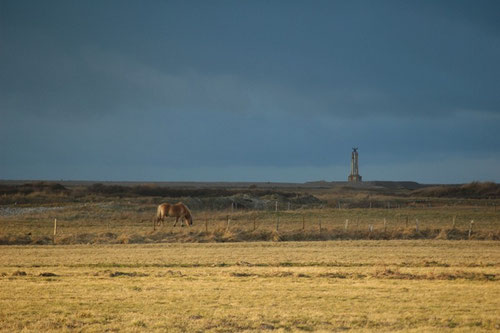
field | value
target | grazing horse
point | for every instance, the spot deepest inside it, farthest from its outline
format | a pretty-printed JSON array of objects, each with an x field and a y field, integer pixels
[{"x": 178, "y": 210}]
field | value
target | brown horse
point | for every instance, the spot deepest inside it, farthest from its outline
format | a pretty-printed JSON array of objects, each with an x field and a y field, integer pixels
[{"x": 178, "y": 210}]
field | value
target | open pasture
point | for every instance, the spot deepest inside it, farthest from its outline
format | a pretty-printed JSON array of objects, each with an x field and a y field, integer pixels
[
  {"x": 131, "y": 221},
  {"x": 412, "y": 285}
]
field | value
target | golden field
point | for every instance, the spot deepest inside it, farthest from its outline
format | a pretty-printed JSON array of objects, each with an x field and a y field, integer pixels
[
  {"x": 397, "y": 285},
  {"x": 131, "y": 221}
]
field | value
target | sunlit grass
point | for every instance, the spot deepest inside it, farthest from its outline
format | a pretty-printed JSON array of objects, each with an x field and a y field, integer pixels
[
  {"x": 131, "y": 221},
  {"x": 309, "y": 286}
]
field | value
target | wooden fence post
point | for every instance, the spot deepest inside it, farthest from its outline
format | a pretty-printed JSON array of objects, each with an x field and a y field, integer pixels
[
  {"x": 470, "y": 227},
  {"x": 320, "y": 225},
  {"x": 276, "y": 206},
  {"x": 277, "y": 223},
  {"x": 346, "y": 224},
  {"x": 254, "y": 218},
  {"x": 206, "y": 225},
  {"x": 55, "y": 231},
  {"x": 454, "y": 221},
  {"x": 228, "y": 220},
  {"x": 303, "y": 223}
]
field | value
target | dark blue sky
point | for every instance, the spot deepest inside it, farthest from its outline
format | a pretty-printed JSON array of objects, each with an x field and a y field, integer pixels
[{"x": 250, "y": 90}]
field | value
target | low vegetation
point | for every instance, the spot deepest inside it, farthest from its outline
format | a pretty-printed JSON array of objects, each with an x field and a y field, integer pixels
[
  {"x": 417, "y": 286},
  {"x": 94, "y": 214},
  {"x": 89, "y": 258},
  {"x": 132, "y": 222},
  {"x": 52, "y": 192},
  {"x": 471, "y": 190}
]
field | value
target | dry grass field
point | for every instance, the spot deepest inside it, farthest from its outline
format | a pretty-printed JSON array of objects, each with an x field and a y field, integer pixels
[
  {"x": 130, "y": 221},
  {"x": 97, "y": 213},
  {"x": 329, "y": 259},
  {"x": 412, "y": 285}
]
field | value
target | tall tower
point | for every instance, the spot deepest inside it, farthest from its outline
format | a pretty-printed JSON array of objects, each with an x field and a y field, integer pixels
[{"x": 354, "y": 176}]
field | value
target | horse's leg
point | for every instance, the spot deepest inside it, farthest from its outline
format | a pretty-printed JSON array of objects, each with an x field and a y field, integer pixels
[{"x": 176, "y": 219}]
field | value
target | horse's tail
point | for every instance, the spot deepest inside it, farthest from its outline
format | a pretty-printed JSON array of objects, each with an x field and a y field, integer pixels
[{"x": 160, "y": 214}]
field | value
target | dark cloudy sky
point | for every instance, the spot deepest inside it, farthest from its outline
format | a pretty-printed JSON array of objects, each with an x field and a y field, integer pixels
[{"x": 250, "y": 90}]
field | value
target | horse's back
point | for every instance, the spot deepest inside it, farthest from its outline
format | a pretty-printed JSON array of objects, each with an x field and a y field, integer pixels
[{"x": 179, "y": 209}]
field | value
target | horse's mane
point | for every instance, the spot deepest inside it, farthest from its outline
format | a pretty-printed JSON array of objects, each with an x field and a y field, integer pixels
[{"x": 185, "y": 207}]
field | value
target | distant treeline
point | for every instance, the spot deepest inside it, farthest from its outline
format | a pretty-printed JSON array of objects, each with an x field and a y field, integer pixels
[
  {"x": 157, "y": 191},
  {"x": 132, "y": 191},
  {"x": 474, "y": 190},
  {"x": 28, "y": 188}
]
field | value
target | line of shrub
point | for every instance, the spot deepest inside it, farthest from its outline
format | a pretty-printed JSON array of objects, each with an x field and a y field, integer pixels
[
  {"x": 136, "y": 190},
  {"x": 241, "y": 235},
  {"x": 474, "y": 190}
]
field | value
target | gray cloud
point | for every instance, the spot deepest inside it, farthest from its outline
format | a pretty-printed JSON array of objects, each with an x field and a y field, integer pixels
[{"x": 246, "y": 85}]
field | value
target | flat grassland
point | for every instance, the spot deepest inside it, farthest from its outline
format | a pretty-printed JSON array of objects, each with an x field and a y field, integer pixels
[
  {"x": 362, "y": 285},
  {"x": 395, "y": 260},
  {"x": 131, "y": 221},
  {"x": 111, "y": 214}
]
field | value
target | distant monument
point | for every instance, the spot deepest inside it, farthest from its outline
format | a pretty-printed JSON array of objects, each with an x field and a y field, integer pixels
[{"x": 354, "y": 176}]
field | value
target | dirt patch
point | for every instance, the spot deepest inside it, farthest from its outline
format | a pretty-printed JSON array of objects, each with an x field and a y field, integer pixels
[
  {"x": 170, "y": 273},
  {"x": 132, "y": 274},
  {"x": 395, "y": 274},
  {"x": 380, "y": 274}
]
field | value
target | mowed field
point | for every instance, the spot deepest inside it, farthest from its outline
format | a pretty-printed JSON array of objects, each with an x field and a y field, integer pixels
[{"x": 362, "y": 285}]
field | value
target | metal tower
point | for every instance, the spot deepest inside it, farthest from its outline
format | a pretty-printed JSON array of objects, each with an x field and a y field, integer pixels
[{"x": 354, "y": 175}]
